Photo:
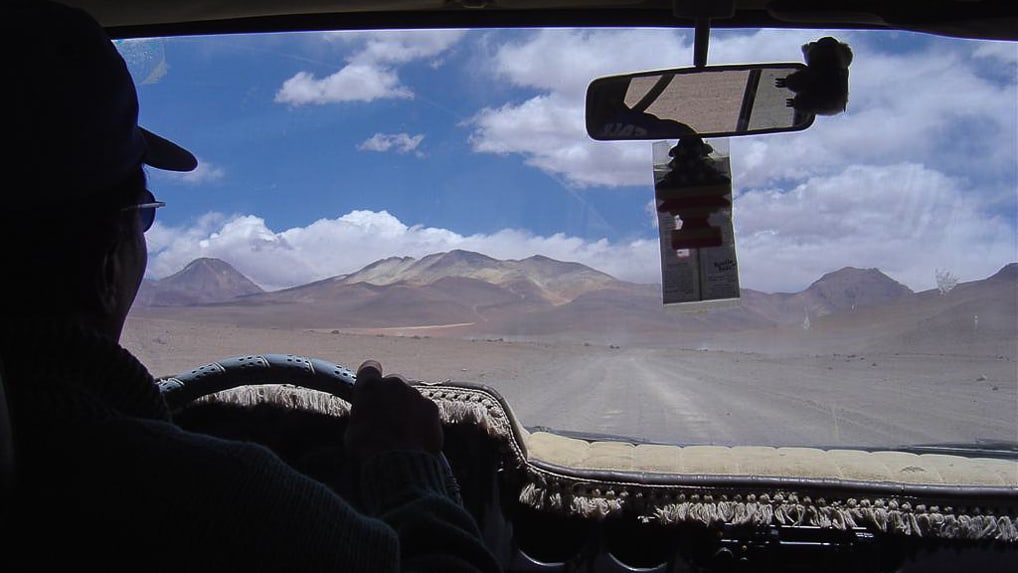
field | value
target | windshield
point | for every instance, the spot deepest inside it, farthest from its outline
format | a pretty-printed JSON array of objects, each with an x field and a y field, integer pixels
[{"x": 431, "y": 199}]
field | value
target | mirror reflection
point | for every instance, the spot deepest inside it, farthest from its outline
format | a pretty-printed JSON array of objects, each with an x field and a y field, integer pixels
[{"x": 711, "y": 102}]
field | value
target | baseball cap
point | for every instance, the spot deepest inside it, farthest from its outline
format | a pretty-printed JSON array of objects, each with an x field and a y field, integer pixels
[{"x": 72, "y": 122}]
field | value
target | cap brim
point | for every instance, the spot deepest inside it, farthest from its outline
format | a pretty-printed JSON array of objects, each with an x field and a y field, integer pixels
[{"x": 162, "y": 153}]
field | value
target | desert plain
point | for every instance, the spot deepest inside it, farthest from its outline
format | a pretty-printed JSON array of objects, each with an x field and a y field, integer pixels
[
  {"x": 855, "y": 360},
  {"x": 653, "y": 392}
]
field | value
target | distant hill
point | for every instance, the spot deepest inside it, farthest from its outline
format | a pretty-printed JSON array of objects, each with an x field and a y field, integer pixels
[
  {"x": 202, "y": 281},
  {"x": 978, "y": 314},
  {"x": 1008, "y": 273},
  {"x": 845, "y": 289},
  {"x": 461, "y": 293},
  {"x": 537, "y": 277},
  {"x": 457, "y": 287},
  {"x": 975, "y": 318},
  {"x": 850, "y": 288}
]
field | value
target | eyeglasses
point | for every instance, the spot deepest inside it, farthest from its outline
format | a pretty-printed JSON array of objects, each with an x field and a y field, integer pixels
[{"x": 146, "y": 209}]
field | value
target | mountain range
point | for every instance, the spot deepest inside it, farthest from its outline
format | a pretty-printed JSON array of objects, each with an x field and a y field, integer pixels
[{"x": 462, "y": 293}]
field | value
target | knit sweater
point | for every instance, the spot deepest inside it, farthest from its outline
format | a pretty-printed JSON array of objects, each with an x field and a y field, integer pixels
[{"x": 105, "y": 478}]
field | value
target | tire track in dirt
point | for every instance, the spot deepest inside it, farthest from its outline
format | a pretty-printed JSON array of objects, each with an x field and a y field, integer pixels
[
  {"x": 638, "y": 394},
  {"x": 732, "y": 399},
  {"x": 675, "y": 396}
]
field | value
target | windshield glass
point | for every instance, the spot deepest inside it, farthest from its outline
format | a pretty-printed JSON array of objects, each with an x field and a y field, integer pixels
[{"x": 431, "y": 199}]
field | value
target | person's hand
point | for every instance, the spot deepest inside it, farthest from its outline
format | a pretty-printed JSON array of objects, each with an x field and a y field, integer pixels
[{"x": 388, "y": 414}]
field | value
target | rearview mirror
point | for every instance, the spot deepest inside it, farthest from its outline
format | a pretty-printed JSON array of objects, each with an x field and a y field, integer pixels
[{"x": 716, "y": 101}]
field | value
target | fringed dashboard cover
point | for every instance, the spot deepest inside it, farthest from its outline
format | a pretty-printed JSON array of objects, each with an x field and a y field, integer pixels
[{"x": 925, "y": 495}]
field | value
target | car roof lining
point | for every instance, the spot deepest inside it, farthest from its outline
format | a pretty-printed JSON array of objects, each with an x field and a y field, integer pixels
[{"x": 982, "y": 19}]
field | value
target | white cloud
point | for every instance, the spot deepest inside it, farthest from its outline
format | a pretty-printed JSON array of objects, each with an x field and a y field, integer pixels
[
  {"x": 355, "y": 82},
  {"x": 400, "y": 142},
  {"x": 549, "y": 132},
  {"x": 206, "y": 172},
  {"x": 371, "y": 71},
  {"x": 906, "y": 219},
  {"x": 330, "y": 247},
  {"x": 549, "y": 129},
  {"x": 912, "y": 178},
  {"x": 898, "y": 108},
  {"x": 402, "y": 46},
  {"x": 1006, "y": 52},
  {"x": 564, "y": 61}
]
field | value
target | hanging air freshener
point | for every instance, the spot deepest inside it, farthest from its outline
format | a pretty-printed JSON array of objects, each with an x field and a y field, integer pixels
[{"x": 693, "y": 197}]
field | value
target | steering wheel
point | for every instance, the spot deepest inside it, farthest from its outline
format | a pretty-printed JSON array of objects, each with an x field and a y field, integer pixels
[
  {"x": 253, "y": 370},
  {"x": 261, "y": 369}
]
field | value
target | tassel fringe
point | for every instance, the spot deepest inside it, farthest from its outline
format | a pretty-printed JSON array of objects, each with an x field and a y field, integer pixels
[{"x": 595, "y": 500}]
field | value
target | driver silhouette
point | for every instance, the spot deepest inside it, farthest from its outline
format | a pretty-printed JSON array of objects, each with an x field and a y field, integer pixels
[{"x": 103, "y": 475}]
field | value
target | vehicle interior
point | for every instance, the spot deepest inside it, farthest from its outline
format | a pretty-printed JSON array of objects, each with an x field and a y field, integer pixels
[{"x": 898, "y": 455}]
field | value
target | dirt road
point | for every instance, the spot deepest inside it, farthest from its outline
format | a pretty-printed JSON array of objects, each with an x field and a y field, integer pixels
[
  {"x": 734, "y": 398},
  {"x": 674, "y": 396}
]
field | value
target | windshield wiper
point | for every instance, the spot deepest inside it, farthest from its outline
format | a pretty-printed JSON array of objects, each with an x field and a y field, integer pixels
[
  {"x": 997, "y": 449},
  {"x": 594, "y": 436}
]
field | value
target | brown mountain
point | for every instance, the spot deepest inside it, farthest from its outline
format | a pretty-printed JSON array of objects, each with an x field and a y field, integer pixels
[
  {"x": 974, "y": 318},
  {"x": 850, "y": 288},
  {"x": 973, "y": 315},
  {"x": 202, "y": 281},
  {"x": 460, "y": 293},
  {"x": 633, "y": 312},
  {"x": 453, "y": 288},
  {"x": 845, "y": 289},
  {"x": 1008, "y": 273},
  {"x": 539, "y": 277}
]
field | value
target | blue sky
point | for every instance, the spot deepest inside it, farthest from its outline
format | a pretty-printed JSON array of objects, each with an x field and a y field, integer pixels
[{"x": 323, "y": 152}]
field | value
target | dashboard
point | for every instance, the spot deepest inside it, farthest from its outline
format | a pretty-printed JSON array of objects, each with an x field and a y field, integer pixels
[{"x": 553, "y": 503}]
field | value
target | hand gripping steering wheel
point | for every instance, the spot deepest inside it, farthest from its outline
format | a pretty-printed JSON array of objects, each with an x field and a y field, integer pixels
[{"x": 253, "y": 370}]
